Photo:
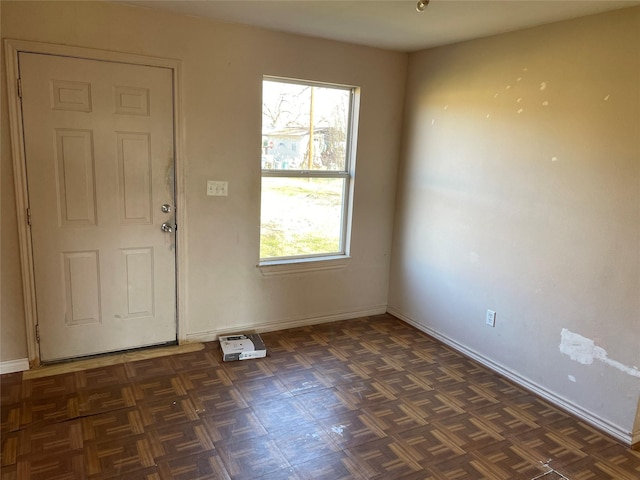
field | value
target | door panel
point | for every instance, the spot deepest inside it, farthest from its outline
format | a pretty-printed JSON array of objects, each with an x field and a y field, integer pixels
[
  {"x": 134, "y": 168},
  {"x": 99, "y": 148},
  {"x": 76, "y": 177}
]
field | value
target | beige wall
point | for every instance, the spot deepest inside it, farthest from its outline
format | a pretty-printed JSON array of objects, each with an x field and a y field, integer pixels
[
  {"x": 519, "y": 191},
  {"x": 223, "y": 67}
]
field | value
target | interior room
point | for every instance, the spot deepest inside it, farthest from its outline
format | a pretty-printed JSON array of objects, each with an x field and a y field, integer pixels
[{"x": 489, "y": 224}]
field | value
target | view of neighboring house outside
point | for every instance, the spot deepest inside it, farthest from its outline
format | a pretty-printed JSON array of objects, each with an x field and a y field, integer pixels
[{"x": 289, "y": 149}]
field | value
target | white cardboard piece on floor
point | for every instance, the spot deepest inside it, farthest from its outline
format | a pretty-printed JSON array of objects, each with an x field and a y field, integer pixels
[{"x": 242, "y": 347}]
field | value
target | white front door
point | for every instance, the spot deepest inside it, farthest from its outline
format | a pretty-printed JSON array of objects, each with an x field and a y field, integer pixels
[{"x": 98, "y": 140}]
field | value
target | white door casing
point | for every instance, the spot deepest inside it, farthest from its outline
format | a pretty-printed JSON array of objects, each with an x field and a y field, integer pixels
[{"x": 99, "y": 159}]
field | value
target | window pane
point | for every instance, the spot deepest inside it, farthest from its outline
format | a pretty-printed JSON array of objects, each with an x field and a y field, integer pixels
[
  {"x": 301, "y": 216},
  {"x": 304, "y": 127}
]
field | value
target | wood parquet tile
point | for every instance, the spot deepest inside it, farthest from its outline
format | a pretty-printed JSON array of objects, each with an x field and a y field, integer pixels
[
  {"x": 159, "y": 387},
  {"x": 468, "y": 432},
  {"x": 209, "y": 378},
  {"x": 149, "y": 368},
  {"x": 205, "y": 466},
  {"x": 252, "y": 458},
  {"x": 548, "y": 444},
  {"x": 182, "y": 439},
  {"x": 46, "y": 387},
  {"x": 100, "y": 400},
  {"x": 336, "y": 466},
  {"x": 11, "y": 391},
  {"x": 70, "y": 466},
  {"x": 109, "y": 376},
  {"x": 116, "y": 424},
  {"x": 9, "y": 449},
  {"x": 282, "y": 414},
  {"x": 506, "y": 420},
  {"x": 237, "y": 425},
  {"x": 361, "y": 393},
  {"x": 352, "y": 429},
  {"x": 200, "y": 360},
  {"x": 406, "y": 384},
  {"x": 434, "y": 406},
  {"x": 326, "y": 402},
  {"x": 430, "y": 443},
  {"x": 370, "y": 398},
  {"x": 121, "y": 456},
  {"x": 307, "y": 443},
  {"x": 543, "y": 412},
  {"x": 497, "y": 386},
  {"x": 262, "y": 389},
  {"x": 304, "y": 380},
  {"x": 54, "y": 439},
  {"x": 169, "y": 410},
  {"x": 43, "y": 411},
  {"x": 518, "y": 463},
  {"x": 10, "y": 418},
  {"x": 468, "y": 467},
  {"x": 385, "y": 458},
  {"x": 339, "y": 372},
  {"x": 392, "y": 417}
]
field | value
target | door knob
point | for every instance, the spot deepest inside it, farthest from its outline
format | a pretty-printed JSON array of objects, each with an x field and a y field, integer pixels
[
  {"x": 166, "y": 227},
  {"x": 166, "y": 208}
]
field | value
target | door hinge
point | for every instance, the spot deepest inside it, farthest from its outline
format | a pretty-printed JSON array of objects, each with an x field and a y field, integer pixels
[
  {"x": 19, "y": 87},
  {"x": 38, "y": 333},
  {"x": 29, "y": 216}
]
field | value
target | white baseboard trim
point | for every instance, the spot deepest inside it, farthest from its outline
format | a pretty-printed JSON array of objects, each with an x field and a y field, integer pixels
[
  {"x": 211, "y": 335},
  {"x": 11, "y": 366},
  {"x": 588, "y": 417}
]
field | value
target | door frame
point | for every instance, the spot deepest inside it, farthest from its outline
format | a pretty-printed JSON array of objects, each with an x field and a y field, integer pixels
[{"x": 12, "y": 49}]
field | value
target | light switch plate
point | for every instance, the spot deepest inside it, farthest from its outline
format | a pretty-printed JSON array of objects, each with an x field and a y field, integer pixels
[{"x": 217, "y": 188}]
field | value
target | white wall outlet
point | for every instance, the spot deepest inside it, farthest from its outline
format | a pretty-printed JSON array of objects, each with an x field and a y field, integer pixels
[
  {"x": 491, "y": 318},
  {"x": 217, "y": 188}
]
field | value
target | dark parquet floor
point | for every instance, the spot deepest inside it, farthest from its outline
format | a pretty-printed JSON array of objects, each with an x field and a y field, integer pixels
[{"x": 370, "y": 398}]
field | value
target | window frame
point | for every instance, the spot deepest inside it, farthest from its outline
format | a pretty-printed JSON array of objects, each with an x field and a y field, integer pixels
[{"x": 325, "y": 260}]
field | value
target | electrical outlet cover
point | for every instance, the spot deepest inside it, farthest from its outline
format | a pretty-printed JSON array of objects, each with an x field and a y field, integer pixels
[
  {"x": 217, "y": 188},
  {"x": 491, "y": 318}
]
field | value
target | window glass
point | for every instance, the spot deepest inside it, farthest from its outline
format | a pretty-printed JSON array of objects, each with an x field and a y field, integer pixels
[
  {"x": 292, "y": 114},
  {"x": 301, "y": 216},
  {"x": 306, "y": 169}
]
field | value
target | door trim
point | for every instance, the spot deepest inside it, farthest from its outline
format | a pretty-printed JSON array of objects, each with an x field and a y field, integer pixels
[{"x": 12, "y": 49}]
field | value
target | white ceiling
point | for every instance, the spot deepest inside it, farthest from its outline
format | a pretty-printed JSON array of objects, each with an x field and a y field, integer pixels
[{"x": 390, "y": 24}]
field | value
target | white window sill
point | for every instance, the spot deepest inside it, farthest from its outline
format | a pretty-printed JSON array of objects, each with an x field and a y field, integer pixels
[{"x": 285, "y": 267}]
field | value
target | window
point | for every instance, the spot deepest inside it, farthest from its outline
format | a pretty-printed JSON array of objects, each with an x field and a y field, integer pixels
[{"x": 307, "y": 169}]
